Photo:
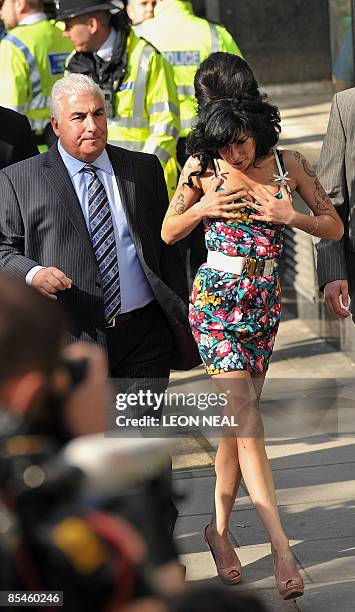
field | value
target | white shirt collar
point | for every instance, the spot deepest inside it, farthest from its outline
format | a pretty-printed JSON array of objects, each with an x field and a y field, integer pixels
[
  {"x": 106, "y": 50},
  {"x": 74, "y": 165},
  {"x": 32, "y": 19}
]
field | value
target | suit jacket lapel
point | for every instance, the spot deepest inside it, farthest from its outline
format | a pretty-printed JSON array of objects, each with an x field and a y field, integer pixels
[
  {"x": 126, "y": 180},
  {"x": 58, "y": 178}
]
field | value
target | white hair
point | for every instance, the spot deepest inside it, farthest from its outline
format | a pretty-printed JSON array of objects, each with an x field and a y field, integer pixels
[{"x": 71, "y": 85}]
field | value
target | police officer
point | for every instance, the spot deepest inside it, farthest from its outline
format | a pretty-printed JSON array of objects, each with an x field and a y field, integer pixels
[
  {"x": 186, "y": 40},
  {"x": 32, "y": 59},
  {"x": 140, "y": 10},
  {"x": 138, "y": 83}
]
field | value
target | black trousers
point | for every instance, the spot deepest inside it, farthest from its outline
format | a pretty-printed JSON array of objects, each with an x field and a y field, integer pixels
[{"x": 140, "y": 346}]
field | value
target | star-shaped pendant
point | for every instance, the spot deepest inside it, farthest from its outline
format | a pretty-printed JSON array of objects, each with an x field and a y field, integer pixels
[{"x": 282, "y": 178}]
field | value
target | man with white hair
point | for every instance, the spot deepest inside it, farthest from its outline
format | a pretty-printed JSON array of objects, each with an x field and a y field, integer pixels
[
  {"x": 138, "y": 83},
  {"x": 82, "y": 223}
]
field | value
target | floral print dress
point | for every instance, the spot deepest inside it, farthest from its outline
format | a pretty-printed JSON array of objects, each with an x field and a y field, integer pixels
[{"x": 235, "y": 318}]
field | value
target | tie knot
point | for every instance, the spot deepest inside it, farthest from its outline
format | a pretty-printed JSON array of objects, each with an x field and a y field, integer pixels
[{"x": 89, "y": 169}]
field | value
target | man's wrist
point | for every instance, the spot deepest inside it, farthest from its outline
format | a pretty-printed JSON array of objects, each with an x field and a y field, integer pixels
[{"x": 32, "y": 273}]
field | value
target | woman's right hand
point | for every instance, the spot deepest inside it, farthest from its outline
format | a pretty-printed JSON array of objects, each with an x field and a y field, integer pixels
[{"x": 215, "y": 204}]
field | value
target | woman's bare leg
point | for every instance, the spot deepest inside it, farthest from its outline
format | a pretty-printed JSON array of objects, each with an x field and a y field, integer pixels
[
  {"x": 256, "y": 471},
  {"x": 254, "y": 464},
  {"x": 250, "y": 461},
  {"x": 228, "y": 476}
]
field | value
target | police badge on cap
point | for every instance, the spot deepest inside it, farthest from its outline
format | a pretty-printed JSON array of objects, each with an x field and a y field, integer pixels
[{"x": 71, "y": 8}]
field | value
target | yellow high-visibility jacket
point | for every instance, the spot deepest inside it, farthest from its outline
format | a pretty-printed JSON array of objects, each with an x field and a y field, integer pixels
[
  {"x": 185, "y": 41},
  {"x": 32, "y": 59},
  {"x": 146, "y": 106}
]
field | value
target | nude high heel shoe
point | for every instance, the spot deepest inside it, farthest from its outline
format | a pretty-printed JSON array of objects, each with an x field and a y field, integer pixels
[
  {"x": 228, "y": 575},
  {"x": 292, "y": 586}
]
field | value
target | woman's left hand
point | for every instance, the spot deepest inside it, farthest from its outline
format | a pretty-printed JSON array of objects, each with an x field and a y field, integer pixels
[{"x": 270, "y": 208}]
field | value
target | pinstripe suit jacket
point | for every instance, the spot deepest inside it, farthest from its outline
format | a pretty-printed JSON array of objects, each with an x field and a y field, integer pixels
[
  {"x": 336, "y": 172},
  {"x": 41, "y": 222}
]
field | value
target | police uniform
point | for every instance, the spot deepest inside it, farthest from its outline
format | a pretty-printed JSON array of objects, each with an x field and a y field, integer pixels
[
  {"x": 185, "y": 40},
  {"x": 32, "y": 59},
  {"x": 139, "y": 88}
]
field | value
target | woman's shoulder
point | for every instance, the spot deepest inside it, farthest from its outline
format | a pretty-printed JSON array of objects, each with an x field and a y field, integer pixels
[
  {"x": 196, "y": 169},
  {"x": 192, "y": 164},
  {"x": 296, "y": 161},
  {"x": 298, "y": 168},
  {"x": 195, "y": 163}
]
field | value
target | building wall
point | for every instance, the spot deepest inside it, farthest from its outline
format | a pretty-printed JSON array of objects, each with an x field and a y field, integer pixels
[{"x": 285, "y": 41}]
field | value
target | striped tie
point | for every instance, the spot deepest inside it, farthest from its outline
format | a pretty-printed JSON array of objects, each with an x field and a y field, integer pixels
[{"x": 104, "y": 244}]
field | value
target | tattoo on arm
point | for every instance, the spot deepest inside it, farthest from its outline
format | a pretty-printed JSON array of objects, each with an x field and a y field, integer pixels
[
  {"x": 307, "y": 168},
  {"x": 178, "y": 205},
  {"x": 321, "y": 197}
]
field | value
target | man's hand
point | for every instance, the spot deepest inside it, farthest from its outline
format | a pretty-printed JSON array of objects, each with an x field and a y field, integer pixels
[
  {"x": 332, "y": 293},
  {"x": 49, "y": 281}
]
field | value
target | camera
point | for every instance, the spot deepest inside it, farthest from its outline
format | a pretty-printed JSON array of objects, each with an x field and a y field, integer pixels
[{"x": 76, "y": 370}]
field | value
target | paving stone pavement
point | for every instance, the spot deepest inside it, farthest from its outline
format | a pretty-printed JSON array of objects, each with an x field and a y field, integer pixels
[{"x": 308, "y": 410}]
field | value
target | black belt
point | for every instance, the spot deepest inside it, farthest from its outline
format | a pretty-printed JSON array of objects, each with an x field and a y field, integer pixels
[{"x": 133, "y": 314}]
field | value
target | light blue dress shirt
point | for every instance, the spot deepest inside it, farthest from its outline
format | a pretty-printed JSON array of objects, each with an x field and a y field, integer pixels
[{"x": 135, "y": 290}]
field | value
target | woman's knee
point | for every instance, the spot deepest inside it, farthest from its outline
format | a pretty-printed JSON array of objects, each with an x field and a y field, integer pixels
[
  {"x": 252, "y": 444},
  {"x": 228, "y": 445}
]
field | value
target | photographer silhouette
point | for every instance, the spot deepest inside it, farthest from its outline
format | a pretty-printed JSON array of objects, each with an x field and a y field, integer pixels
[{"x": 55, "y": 534}]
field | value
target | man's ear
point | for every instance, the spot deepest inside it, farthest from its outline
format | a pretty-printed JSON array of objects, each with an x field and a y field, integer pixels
[
  {"x": 129, "y": 10},
  {"x": 93, "y": 24},
  {"x": 22, "y": 6},
  {"x": 18, "y": 394},
  {"x": 55, "y": 126}
]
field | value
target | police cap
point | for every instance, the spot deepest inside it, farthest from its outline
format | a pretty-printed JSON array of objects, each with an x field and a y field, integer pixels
[{"x": 71, "y": 8}]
